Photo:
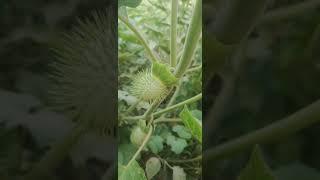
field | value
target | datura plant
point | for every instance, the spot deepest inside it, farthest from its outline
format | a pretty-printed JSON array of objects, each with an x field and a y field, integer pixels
[
  {"x": 160, "y": 129},
  {"x": 83, "y": 81}
]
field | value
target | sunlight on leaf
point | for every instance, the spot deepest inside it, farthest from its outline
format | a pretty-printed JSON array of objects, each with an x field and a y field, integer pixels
[{"x": 192, "y": 123}]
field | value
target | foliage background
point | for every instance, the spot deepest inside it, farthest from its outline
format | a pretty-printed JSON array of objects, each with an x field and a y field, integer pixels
[
  {"x": 277, "y": 76},
  {"x": 152, "y": 18}
]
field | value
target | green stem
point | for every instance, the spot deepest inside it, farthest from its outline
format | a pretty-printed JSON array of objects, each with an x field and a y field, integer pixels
[
  {"x": 167, "y": 120},
  {"x": 290, "y": 11},
  {"x": 192, "y": 38},
  {"x": 173, "y": 32},
  {"x": 173, "y": 107},
  {"x": 134, "y": 118},
  {"x": 192, "y": 69},
  {"x": 55, "y": 155},
  {"x": 175, "y": 94},
  {"x": 153, "y": 56},
  {"x": 149, "y": 112},
  {"x": 132, "y": 107},
  {"x": 291, "y": 124},
  {"x": 146, "y": 139},
  {"x": 168, "y": 109}
]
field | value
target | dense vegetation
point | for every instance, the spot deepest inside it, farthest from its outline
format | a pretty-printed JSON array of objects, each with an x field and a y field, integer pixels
[{"x": 160, "y": 114}]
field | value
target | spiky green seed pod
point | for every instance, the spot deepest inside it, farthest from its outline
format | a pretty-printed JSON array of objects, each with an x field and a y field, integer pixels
[
  {"x": 84, "y": 75},
  {"x": 147, "y": 87}
]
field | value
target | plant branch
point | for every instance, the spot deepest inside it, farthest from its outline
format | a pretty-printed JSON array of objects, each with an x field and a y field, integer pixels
[
  {"x": 167, "y": 120},
  {"x": 146, "y": 139},
  {"x": 153, "y": 56},
  {"x": 173, "y": 32},
  {"x": 132, "y": 107},
  {"x": 291, "y": 124},
  {"x": 290, "y": 11},
  {"x": 192, "y": 69},
  {"x": 168, "y": 109},
  {"x": 175, "y": 94},
  {"x": 192, "y": 38},
  {"x": 173, "y": 107}
]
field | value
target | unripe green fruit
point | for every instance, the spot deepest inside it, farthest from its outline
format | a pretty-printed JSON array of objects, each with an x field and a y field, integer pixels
[
  {"x": 147, "y": 87},
  {"x": 137, "y": 136}
]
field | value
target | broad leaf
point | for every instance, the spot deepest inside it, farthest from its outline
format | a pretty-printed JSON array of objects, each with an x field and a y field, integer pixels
[
  {"x": 162, "y": 72},
  {"x": 192, "y": 123},
  {"x": 182, "y": 131},
  {"x": 256, "y": 169},
  {"x": 153, "y": 166},
  {"x": 133, "y": 171},
  {"x": 156, "y": 144},
  {"x": 177, "y": 144},
  {"x": 125, "y": 152}
]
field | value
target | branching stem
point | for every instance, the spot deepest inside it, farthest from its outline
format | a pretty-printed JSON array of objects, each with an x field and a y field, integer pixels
[
  {"x": 192, "y": 39},
  {"x": 146, "y": 139},
  {"x": 141, "y": 38}
]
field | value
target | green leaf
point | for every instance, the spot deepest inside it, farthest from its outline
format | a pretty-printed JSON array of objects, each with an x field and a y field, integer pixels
[
  {"x": 297, "y": 171},
  {"x": 177, "y": 144},
  {"x": 178, "y": 173},
  {"x": 192, "y": 123},
  {"x": 156, "y": 144},
  {"x": 129, "y": 3},
  {"x": 153, "y": 166},
  {"x": 162, "y": 72},
  {"x": 125, "y": 152},
  {"x": 133, "y": 171},
  {"x": 197, "y": 114},
  {"x": 256, "y": 168},
  {"x": 182, "y": 131}
]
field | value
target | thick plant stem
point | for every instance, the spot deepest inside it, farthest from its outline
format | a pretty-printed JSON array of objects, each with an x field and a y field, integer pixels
[
  {"x": 173, "y": 33},
  {"x": 55, "y": 155},
  {"x": 295, "y": 122},
  {"x": 150, "y": 52},
  {"x": 192, "y": 39},
  {"x": 290, "y": 11}
]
